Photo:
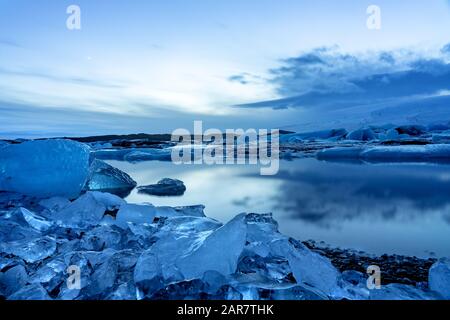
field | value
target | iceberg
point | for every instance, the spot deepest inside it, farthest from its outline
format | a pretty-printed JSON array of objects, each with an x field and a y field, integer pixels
[
  {"x": 57, "y": 168},
  {"x": 362, "y": 135},
  {"x": 149, "y": 154},
  {"x": 165, "y": 187},
  {"x": 317, "y": 135}
]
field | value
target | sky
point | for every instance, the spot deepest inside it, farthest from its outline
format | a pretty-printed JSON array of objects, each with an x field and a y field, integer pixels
[{"x": 154, "y": 66}]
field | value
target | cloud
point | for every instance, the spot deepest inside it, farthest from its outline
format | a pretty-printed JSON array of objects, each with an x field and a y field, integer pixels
[
  {"x": 333, "y": 88},
  {"x": 46, "y": 75},
  {"x": 328, "y": 78},
  {"x": 10, "y": 43}
]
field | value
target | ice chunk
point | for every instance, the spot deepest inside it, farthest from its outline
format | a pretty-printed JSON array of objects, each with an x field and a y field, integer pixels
[
  {"x": 87, "y": 209},
  {"x": 147, "y": 274},
  {"x": 362, "y": 135},
  {"x": 103, "y": 177},
  {"x": 397, "y": 291},
  {"x": 134, "y": 213},
  {"x": 317, "y": 135},
  {"x": 57, "y": 168},
  {"x": 439, "y": 278},
  {"x": 101, "y": 238},
  {"x": 35, "y": 221},
  {"x": 12, "y": 280},
  {"x": 219, "y": 252},
  {"x": 103, "y": 279},
  {"x": 30, "y": 250},
  {"x": 165, "y": 187},
  {"x": 149, "y": 154},
  {"x": 31, "y": 292}
]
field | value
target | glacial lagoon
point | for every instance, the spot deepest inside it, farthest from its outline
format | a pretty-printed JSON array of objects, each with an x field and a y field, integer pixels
[{"x": 377, "y": 208}]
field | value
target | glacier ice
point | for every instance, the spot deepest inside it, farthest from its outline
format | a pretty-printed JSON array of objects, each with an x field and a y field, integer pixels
[
  {"x": 30, "y": 250},
  {"x": 56, "y": 168},
  {"x": 30, "y": 292},
  {"x": 439, "y": 278},
  {"x": 106, "y": 178},
  {"x": 13, "y": 280},
  {"x": 362, "y": 135},
  {"x": 149, "y": 154},
  {"x": 135, "y": 213}
]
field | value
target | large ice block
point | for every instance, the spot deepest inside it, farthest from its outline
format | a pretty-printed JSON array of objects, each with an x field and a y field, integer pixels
[{"x": 44, "y": 168}]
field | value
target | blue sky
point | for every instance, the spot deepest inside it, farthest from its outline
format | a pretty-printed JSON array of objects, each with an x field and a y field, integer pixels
[{"x": 153, "y": 66}]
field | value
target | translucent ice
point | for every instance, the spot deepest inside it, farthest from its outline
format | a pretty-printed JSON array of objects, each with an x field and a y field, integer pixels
[
  {"x": 362, "y": 135},
  {"x": 149, "y": 154},
  {"x": 135, "y": 213},
  {"x": 439, "y": 278},
  {"x": 31, "y": 292},
  {"x": 13, "y": 280},
  {"x": 219, "y": 252},
  {"x": 397, "y": 291},
  {"x": 88, "y": 209},
  {"x": 44, "y": 168},
  {"x": 30, "y": 250},
  {"x": 103, "y": 177}
]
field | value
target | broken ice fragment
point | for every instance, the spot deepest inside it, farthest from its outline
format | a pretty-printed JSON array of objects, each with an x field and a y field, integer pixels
[
  {"x": 35, "y": 221},
  {"x": 30, "y": 250},
  {"x": 103, "y": 177},
  {"x": 134, "y": 213},
  {"x": 12, "y": 280},
  {"x": 87, "y": 210},
  {"x": 31, "y": 292}
]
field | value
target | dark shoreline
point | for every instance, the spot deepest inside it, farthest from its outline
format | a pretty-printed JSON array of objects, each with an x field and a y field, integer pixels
[{"x": 408, "y": 270}]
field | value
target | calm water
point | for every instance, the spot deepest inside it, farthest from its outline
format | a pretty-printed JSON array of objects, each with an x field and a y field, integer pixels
[{"x": 389, "y": 208}]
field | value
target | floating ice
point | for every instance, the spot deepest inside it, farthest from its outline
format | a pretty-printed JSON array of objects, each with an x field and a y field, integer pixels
[
  {"x": 317, "y": 135},
  {"x": 165, "y": 187},
  {"x": 103, "y": 177},
  {"x": 149, "y": 154},
  {"x": 44, "y": 168},
  {"x": 362, "y": 135}
]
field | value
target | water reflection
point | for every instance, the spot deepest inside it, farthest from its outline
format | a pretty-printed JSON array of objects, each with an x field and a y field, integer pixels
[{"x": 380, "y": 208}]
